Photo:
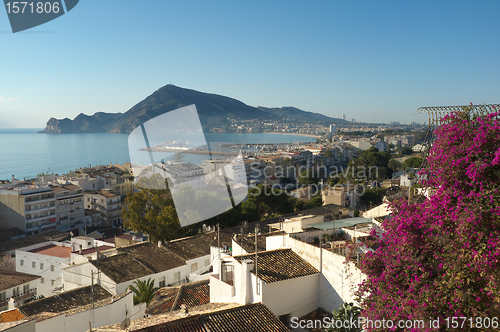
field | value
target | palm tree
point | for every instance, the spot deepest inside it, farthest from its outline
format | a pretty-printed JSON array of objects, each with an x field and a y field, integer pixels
[{"x": 144, "y": 291}]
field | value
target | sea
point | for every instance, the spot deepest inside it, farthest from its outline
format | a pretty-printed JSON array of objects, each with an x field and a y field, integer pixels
[{"x": 25, "y": 153}]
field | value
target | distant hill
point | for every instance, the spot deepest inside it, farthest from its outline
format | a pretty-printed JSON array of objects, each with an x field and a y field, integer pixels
[
  {"x": 294, "y": 113},
  {"x": 213, "y": 111}
]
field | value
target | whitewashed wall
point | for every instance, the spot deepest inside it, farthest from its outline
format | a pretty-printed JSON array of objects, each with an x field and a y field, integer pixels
[
  {"x": 334, "y": 288},
  {"x": 112, "y": 313}
]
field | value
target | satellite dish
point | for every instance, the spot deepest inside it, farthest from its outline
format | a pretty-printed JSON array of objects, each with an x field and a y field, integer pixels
[{"x": 125, "y": 323}]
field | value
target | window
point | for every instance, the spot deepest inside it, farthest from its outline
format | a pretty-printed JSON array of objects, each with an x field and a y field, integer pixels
[
  {"x": 15, "y": 292},
  {"x": 41, "y": 266},
  {"x": 177, "y": 277},
  {"x": 194, "y": 267},
  {"x": 161, "y": 283},
  {"x": 52, "y": 268},
  {"x": 26, "y": 289},
  {"x": 33, "y": 264},
  {"x": 22, "y": 262},
  {"x": 207, "y": 262},
  {"x": 42, "y": 281},
  {"x": 89, "y": 243},
  {"x": 52, "y": 282},
  {"x": 3, "y": 296}
]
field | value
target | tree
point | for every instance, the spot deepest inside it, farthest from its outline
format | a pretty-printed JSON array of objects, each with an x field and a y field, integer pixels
[
  {"x": 153, "y": 212},
  {"x": 348, "y": 312},
  {"x": 406, "y": 151},
  {"x": 371, "y": 164},
  {"x": 373, "y": 196},
  {"x": 308, "y": 176},
  {"x": 440, "y": 258},
  {"x": 413, "y": 162},
  {"x": 144, "y": 291},
  {"x": 394, "y": 165}
]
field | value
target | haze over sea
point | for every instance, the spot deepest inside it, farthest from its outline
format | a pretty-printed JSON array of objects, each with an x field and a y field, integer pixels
[{"x": 26, "y": 153}]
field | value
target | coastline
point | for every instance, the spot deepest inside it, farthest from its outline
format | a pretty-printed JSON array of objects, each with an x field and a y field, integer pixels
[{"x": 294, "y": 134}]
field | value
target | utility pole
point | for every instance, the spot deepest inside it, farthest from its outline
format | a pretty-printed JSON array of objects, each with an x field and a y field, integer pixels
[
  {"x": 256, "y": 266},
  {"x": 218, "y": 246},
  {"x": 92, "y": 288}
]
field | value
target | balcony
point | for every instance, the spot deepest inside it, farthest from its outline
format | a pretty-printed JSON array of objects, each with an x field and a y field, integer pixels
[{"x": 20, "y": 297}]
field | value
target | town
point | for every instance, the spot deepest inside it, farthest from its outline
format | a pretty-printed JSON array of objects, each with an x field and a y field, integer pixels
[{"x": 72, "y": 247}]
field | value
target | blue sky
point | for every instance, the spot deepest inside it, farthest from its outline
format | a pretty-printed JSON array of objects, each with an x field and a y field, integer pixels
[{"x": 376, "y": 61}]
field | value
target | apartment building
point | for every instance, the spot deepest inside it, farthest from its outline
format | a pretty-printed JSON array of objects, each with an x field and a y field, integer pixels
[
  {"x": 29, "y": 207},
  {"x": 185, "y": 173},
  {"x": 70, "y": 211},
  {"x": 107, "y": 203}
]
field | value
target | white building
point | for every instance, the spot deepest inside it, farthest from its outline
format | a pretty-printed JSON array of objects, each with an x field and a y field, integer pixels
[
  {"x": 125, "y": 265},
  {"x": 382, "y": 146},
  {"x": 18, "y": 287},
  {"x": 47, "y": 261},
  {"x": 70, "y": 212},
  {"x": 107, "y": 203},
  {"x": 281, "y": 280},
  {"x": 76, "y": 310}
]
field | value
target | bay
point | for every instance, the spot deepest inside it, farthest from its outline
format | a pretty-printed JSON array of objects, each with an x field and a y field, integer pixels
[{"x": 25, "y": 153}]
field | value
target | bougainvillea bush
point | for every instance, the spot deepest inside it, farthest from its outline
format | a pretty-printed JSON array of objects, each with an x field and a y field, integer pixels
[{"x": 441, "y": 257}]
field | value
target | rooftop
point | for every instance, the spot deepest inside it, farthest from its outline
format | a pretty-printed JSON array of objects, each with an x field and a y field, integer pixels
[
  {"x": 225, "y": 318},
  {"x": 140, "y": 259},
  {"x": 11, "y": 245},
  {"x": 7, "y": 235},
  {"x": 9, "y": 279},
  {"x": 104, "y": 193},
  {"x": 92, "y": 250},
  {"x": 53, "y": 250},
  {"x": 64, "y": 187},
  {"x": 343, "y": 223},
  {"x": 172, "y": 298},
  {"x": 65, "y": 301},
  {"x": 279, "y": 265}
]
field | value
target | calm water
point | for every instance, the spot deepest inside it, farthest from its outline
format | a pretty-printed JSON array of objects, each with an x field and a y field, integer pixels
[{"x": 25, "y": 153}]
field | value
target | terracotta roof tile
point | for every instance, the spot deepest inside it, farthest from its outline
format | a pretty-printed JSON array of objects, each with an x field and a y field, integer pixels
[
  {"x": 278, "y": 265},
  {"x": 53, "y": 250},
  {"x": 140, "y": 260},
  {"x": 172, "y": 298},
  {"x": 9, "y": 279},
  {"x": 65, "y": 301}
]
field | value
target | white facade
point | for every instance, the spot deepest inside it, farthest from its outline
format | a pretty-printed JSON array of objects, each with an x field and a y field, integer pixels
[
  {"x": 49, "y": 268},
  {"x": 337, "y": 281},
  {"x": 112, "y": 313},
  {"x": 297, "y": 224},
  {"x": 20, "y": 293},
  {"x": 295, "y": 297}
]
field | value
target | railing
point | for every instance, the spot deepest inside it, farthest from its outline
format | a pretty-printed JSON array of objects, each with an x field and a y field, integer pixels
[{"x": 20, "y": 297}]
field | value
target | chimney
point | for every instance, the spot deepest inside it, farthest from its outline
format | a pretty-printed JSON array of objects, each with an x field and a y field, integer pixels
[
  {"x": 245, "y": 282},
  {"x": 185, "y": 309},
  {"x": 12, "y": 304}
]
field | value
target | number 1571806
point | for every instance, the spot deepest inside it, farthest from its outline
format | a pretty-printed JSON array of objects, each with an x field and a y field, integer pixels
[{"x": 22, "y": 7}]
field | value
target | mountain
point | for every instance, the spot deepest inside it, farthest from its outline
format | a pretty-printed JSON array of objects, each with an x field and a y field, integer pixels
[
  {"x": 296, "y": 114},
  {"x": 213, "y": 111}
]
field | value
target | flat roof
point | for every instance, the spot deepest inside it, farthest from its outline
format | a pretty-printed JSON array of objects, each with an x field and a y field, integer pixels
[
  {"x": 341, "y": 223},
  {"x": 53, "y": 250}
]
